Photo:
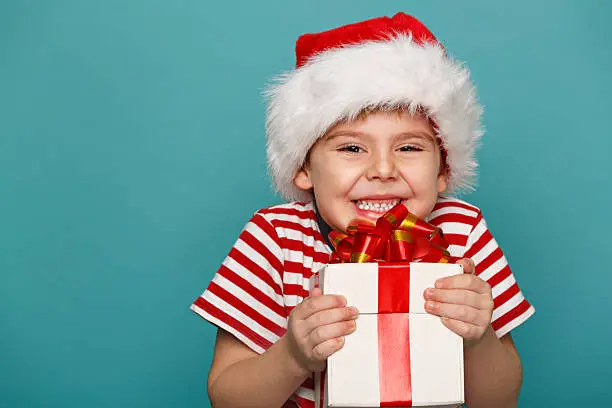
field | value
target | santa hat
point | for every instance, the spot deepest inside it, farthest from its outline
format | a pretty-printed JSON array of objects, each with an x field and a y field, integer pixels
[{"x": 382, "y": 63}]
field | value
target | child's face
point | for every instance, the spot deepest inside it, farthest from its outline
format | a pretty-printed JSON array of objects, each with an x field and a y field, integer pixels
[{"x": 363, "y": 168}]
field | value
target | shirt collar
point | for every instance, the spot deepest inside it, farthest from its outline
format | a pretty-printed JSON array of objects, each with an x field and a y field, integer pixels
[{"x": 324, "y": 228}]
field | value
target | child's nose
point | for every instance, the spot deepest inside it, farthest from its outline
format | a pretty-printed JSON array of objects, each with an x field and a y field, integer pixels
[{"x": 382, "y": 167}]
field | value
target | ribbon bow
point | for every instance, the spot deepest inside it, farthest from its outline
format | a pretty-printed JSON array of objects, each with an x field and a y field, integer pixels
[{"x": 397, "y": 236}]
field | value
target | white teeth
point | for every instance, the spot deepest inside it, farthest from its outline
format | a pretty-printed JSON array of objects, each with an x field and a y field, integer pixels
[{"x": 376, "y": 206}]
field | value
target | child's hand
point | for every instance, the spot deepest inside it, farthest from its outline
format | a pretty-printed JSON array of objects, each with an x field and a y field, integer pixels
[
  {"x": 317, "y": 327},
  {"x": 464, "y": 302}
]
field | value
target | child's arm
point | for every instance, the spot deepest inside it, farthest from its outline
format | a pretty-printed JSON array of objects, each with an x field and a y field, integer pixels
[
  {"x": 493, "y": 373},
  {"x": 239, "y": 377}
]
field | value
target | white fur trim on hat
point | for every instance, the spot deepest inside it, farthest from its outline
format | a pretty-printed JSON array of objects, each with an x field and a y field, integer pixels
[{"x": 340, "y": 83}]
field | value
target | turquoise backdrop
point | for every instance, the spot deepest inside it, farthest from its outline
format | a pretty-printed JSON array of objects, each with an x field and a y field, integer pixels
[{"x": 132, "y": 153}]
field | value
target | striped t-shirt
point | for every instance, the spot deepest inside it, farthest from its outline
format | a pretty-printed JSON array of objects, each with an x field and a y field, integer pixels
[{"x": 266, "y": 274}]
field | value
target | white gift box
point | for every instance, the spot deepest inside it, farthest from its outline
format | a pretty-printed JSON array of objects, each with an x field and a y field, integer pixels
[{"x": 399, "y": 355}]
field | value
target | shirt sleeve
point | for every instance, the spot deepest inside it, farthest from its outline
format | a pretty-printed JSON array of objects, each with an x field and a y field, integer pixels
[
  {"x": 245, "y": 297},
  {"x": 510, "y": 306}
]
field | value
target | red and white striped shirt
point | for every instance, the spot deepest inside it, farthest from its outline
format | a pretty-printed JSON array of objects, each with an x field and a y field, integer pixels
[{"x": 266, "y": 274}]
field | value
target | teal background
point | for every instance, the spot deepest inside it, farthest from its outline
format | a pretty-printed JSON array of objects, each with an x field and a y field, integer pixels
[{"x": 132, "y": 153}]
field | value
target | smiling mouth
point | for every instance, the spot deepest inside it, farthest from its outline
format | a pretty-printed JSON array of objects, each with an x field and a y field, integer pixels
[{"x": 377, "y": 206}]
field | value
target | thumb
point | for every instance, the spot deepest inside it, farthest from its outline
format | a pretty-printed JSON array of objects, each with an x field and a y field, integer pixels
[
  {"x": 316, "y": 292},
  {"x": 468, "y": 265}
]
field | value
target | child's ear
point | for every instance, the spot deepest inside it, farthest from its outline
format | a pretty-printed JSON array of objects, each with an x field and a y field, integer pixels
[
  {"x": 442, "y": 182},
  {"x": 302, "y": 179}
]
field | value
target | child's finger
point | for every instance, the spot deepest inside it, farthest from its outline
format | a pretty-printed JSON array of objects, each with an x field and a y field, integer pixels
[
  {"x": 329, "y": 331},
  {"x": 459, "y": 297},
  {"x": 469, "y": 282},
  {"x": 463, "y": 313},
  {"x": 323, "y": 350},
  {"x": 331, "y": 316},
  {"x": 316, "y": 292},
  {"x": 312, "y": 305},
  {"x": 468, "y": 265}
]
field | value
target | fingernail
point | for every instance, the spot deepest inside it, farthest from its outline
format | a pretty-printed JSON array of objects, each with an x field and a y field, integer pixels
[
  {"x": 428, "y": 293},
  {"x": 430, "y": 305},
  {"x": 439, "y": 284},
  {"x": 342, "y": 300},
  {"x": 354, "y": 311}
]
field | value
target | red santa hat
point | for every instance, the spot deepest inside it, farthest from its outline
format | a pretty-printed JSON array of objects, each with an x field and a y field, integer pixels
[{"x": 382, "y": 63}]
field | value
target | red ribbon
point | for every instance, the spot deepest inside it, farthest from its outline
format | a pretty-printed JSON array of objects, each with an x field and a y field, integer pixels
[
  {"x": 394, "y": 372},
  {"x": 397, "y": 236}
]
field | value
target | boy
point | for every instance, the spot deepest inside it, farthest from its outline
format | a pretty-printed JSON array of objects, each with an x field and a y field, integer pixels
[{"x": 375, "y": 114}]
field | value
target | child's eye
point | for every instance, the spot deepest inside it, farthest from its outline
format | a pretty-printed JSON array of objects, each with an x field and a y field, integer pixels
[
  {"x": 410, "y": 148},
  {"x": 350, "y": 149}
]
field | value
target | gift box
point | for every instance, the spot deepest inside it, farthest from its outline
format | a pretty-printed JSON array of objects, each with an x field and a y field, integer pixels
[{"x": 399, "y": 355}]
